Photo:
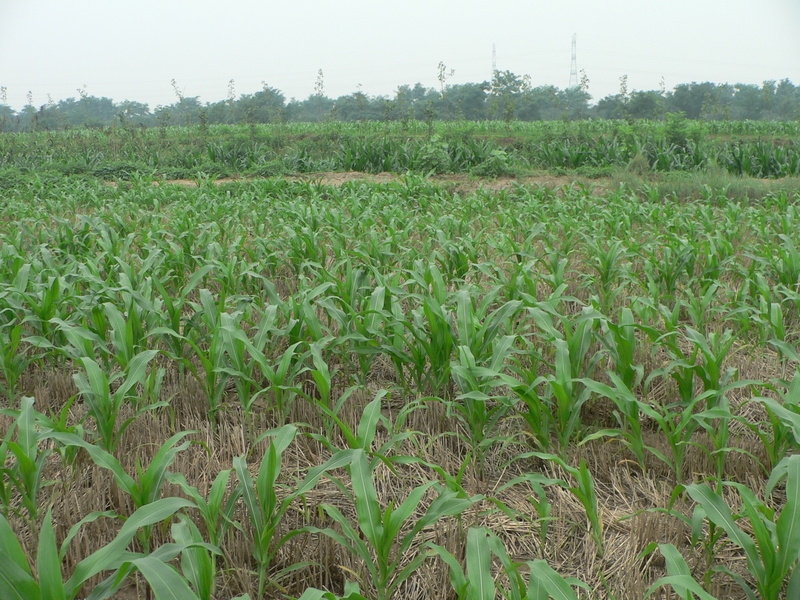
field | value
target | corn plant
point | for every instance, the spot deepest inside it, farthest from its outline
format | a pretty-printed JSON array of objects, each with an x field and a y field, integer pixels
[
  {"x": 583, "y": 490},
  {"x": 621, "y": 344},
  {"x": 14, "y": 359},
  {"x": 679, "y": 575},
  {"x": 476, "y": 582},
  {"x": 216, "y": 510},
  {"x": 772, "y": 549},
  {"x": 363, "y": 436},
  {"x": 784, "y": 420},
  {"x": 628, "y": 415},
  {"x": 265, "y": 511},
  {"x": 382, "y": 546},
  {"x": 476, "y": 407},
  {"x": 477, "y": 327},
  {"x": 351, "y": 592},
  {"x": 197, "y": 562},
  {"x": 25, "y": 473},
  {"x": 565, "y": 392},
  {"x": 281, "y": 379},
  {"x": 150, "y": 484},
  {"x": 19, "y": 581},
  {"x": 104, "y": 405},
  {"x": 608, "y": 263},
  {"x": 714, "y": 349}
]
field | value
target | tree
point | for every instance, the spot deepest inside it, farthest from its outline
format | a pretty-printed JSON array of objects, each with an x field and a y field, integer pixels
[
  {"x": 313, "y": 109},
  {"x": 539, "y": 103},
  {"x": 690, "y": 98},
  {"x": 358, "y": 107},
  {"x": 266, "y": 106},
  {"x": 466, "y": 101},
  {"x": 134, "y": 113},
  {"x": 747, "y": 102},
  {"x": 787, "y": 100},
  {"x": 646, "y": 105},
  {"x": 613, "y": 106},
  {"x": 505, "y": 90},
  {"x": 574, "y": 102}
]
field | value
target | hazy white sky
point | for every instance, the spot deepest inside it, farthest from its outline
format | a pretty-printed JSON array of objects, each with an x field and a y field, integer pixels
[{"x": 131, "y": 50}]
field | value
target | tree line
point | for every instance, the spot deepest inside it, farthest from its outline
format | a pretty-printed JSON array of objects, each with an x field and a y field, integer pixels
[{"x": 507, "y": 97}]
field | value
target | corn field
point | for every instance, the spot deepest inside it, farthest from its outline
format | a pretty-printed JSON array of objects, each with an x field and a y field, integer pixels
[
  {"x": 286, "y": 389},
  {"x": 766, "y": 150}
]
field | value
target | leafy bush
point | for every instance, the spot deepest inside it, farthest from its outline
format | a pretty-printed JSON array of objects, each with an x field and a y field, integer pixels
[{"x": 499, "y": 162}]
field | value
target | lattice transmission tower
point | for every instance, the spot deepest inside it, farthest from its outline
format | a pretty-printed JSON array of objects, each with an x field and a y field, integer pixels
[{"x": 573, "y": 67}]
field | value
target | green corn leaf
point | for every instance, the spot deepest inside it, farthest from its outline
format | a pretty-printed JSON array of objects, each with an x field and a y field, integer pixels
[
  {"x": 406, "y": 509},
  {"x": 248, "y": 491},
  {"x": 73, "y": 531},
  {"x": 369, "y": 515},
  {"x": 165, "y": 581},
  {"x": 683, "y": 584},
  {"x": 16, "y": 579},
  {"x": 100, "y": 457},
  {"x": 136, "y": 371},
  {"x": 457, "y": 577},
  {"x": 48, "y": 563},
  {"x": 555, "y": 585},
  {"x": 196, "y": 562},
  {"x": 367, "y": 426},
  {"x": 718, "y": 513},
  {"x": 153, "y": 478},
  {"x": 788, "y": 524},
  {"x": 106, "y": 557},
  {"x": 479, "y": 566}
]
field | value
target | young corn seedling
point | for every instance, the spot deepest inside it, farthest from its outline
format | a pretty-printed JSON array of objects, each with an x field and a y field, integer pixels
[
  {"x": 13, "y": 358},
  {"x": 714, "y": 349},
  {"x": 45, "y": 580},
  {"x": 476, "y": 582},
  {"x": 173, "y": 305},
  {"x": 609, "y": 267},
  {"x": 198, "y": 563},
  {"x": 569, "y": 395},
  {"x": 385, "y": 537},
  {"x": 477, "y": 327},
  {"x": 534, "y": 405},
  {"x": 476, "y": 407},
  {"x": 704, "y": 307},
  {"x": 281, "y": 380},
  {"x": 679, "y": 575},
  {"x": 621, "y": 344},
  {"x": 264, "y": 509},
  {"x": 627, "y": 414},
  {"x": 583, "y": 490},
  {"x": 717, "y": 416},
  {"x": 364, "y": 435},
  {"x": 784, "y": 421},
  {"x": 431, "y": 346},
  {"x": 217, "y": 509},
  {"x": 25, "y": 473},
  {"x": 324, "y": 380},
  {"x": 572, "y": 359},
  {"x": 772, "y": 549},
  {"x": 351, "y": 592},
  {"x": 104, "y": 405},
  {"x": 150, "y": 484},
  {"x": 359, "y": 324},
  {"x": 678, "y": 423},
  {"x": 209, "y": 348}
]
